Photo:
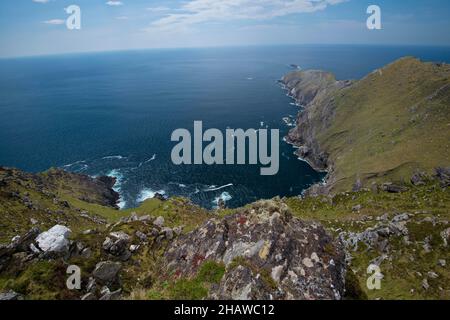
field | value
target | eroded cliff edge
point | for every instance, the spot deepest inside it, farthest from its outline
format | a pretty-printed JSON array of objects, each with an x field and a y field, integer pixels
[{"x": 383, "y": 128}]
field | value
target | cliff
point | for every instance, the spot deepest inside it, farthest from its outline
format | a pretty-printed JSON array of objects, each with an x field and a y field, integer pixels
[{"x": 383, "y": 128}]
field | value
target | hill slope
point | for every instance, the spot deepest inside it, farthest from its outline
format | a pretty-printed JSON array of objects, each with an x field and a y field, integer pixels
[{"x": 385, "y": 127}]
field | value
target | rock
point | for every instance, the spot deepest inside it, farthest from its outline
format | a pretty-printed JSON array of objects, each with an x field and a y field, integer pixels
[
  {"x": 400, "y": 217},
  {"x": 10, "y": 295},
  {"x": 108, "y": 295},
  {"x": 443, "y": 175},
  {"x": 221, "y": 204},
  {"x": 425, "y": 284},
  {"x": 33, "y": 221},
  {"x": 159, "y": 222},
  {"x": 145, "y": 218},
  {"x": 89, "y": 296},
  {"x": 357, "y": 208},
  {"x": 432, "y": 275},
  {"x": 167, "y": 232},
  {"x": 178, "y": 230},
  {"x": 92, "y": 285},
  {"x": 393, "y": 188},
  {"x": 118, "y": 245},
  {"x": 418, "y": 179},
  {"x": 134, "y": 248},
  {"x": 357, "y": 186},
  {"x": 160, "y": 197},
  {"x": 445, "y": 235},
  {"x": 442, "y": 262},
  {"x": 55, "y": 240},
  {"x": 268, "y": 253},
  {"x": 141, "y": 236},
  {"x": 107, "y": 271}
]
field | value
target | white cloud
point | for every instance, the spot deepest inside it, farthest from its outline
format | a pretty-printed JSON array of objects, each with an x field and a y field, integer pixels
[
  {"x": 114, "y": 3},
  {"x": 41, "y": 1},
  {"x": 198, "y": 11},
  {"x": 157, "y": 9},
  {"x": 55, "y": 21}
]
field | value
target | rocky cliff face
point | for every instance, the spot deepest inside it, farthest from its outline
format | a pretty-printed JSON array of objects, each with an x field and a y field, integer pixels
[
  {"x": 372, "y": 130},
  {"x": 314, "y": 91},
  {"x": 268, "y": 254}
]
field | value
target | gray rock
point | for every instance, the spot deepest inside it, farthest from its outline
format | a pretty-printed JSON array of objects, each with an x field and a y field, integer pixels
[
  {"x": 145, "y": 218},
  {"x": 141, "y": 236},
  {"x": 108, "y": 295},
  {"x": 89, "y": 296},
  {"x": 393, "y": 188},
  {"x": 107, "y": 271},
  {"x": 259, "y": 241},
  {"x": 55, "y": 240},
  {"x": 10, "y": 295},
  {"x": 159, "y": 222},
  {"x": 168, "y": 233},
  {"x": 445, "y": 235}
]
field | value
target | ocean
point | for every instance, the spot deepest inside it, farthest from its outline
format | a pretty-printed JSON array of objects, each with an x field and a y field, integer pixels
[{"x": 113, "y": 113}]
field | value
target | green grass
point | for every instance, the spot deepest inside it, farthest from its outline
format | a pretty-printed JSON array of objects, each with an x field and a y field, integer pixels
[{"x": 389, "y": 124}]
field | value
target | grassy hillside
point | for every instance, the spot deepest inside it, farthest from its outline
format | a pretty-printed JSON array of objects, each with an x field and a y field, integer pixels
[{"x": 384, "y": 127}]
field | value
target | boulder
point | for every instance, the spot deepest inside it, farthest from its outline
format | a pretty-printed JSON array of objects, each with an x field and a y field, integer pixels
[
  {"x": 10, "y": 295},
  {"x": 268, "y": 254},
  {"x": 107, "y": 271},
  {"x": 443, "y": 175},
  {"x": 159, "y": 222},
  {"x": 55, "y": 240},
  {"x": 393, "y": 188}
]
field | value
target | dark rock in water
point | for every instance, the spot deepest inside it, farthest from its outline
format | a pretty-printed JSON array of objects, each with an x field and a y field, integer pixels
[
  {"x": 268, "y": 253},
  {"x": 443, "y": 175},
  {"x": 160, "y": 197},
  {"x": 221, "y": 204}
]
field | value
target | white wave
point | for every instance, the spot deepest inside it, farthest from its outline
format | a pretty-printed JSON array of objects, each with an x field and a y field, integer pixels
[
  {"x": 73, "y": 164},
  {"x": 215, "y": 188},
  {"x": 148, "y": 193},
  {"x": 114, "y": 158},
  {"x": 262, "y": 124},
  {"x": 250, "y": 78},
  {"x": 147, "y": 161},
  {"x": 121, "y": 204},
  {"x": 225, "y": 196},
  {"x": 181, "y": 185},
  {"x": 115, "y": 173}
]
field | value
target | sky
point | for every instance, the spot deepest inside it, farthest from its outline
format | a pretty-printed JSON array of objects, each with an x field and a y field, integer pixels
[{"x": 38, "y": 27}]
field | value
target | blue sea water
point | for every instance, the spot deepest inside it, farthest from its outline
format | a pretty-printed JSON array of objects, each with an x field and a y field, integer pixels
[{"x": 113, "y": 113}]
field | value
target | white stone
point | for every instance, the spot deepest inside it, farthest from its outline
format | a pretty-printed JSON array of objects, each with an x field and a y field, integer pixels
[{"x": 54, "y": 240}]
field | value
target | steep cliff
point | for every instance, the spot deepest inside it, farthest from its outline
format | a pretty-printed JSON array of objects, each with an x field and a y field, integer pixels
[{"x": 382, "y": 128}]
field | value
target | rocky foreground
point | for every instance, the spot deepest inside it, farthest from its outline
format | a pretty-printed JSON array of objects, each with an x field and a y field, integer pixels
[{"x": 296, "y": 248}]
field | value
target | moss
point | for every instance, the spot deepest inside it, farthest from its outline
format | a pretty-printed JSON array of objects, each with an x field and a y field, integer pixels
[{"x": 211, "y": 272}]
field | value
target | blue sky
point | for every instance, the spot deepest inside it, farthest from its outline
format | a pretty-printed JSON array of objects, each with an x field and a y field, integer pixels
[{"x": 35, "y": 27}]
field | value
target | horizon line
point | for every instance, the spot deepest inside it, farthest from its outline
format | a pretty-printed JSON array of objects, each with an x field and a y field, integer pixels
[{"x": 447, "y": 46}]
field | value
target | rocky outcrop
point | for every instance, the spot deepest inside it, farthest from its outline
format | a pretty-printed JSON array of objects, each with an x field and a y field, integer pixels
[{"x": 268, "y": 254}]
